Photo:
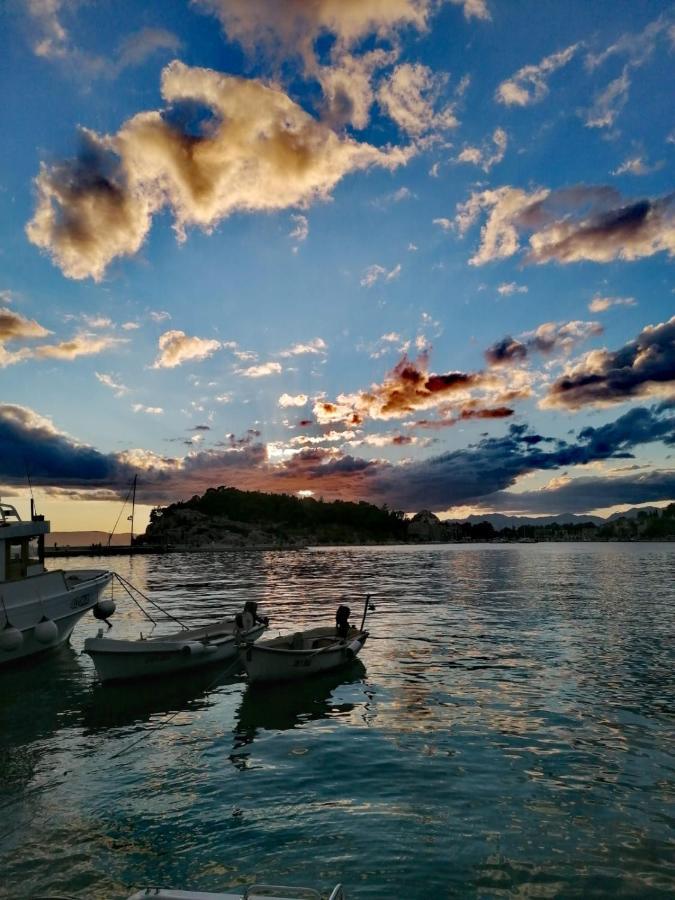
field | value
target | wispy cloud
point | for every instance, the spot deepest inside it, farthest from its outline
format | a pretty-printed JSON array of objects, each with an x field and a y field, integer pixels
[
  {"x": 636, "y": 165},
  {"x": 79, "y": 345},
  {"x": 602, "y": 304},
  {"x": 109, "y": 381},
  {"x": 486, "y": 156},
  {"x": 507, "y": 288},
  {"x": 261, "y": 371},
  {"x": 376, "y": 273},
  {"x": 411, "y": 97},
  {"x": 147, "y": 410},
  {"x": 569, "y": 225},
  {"x": 300, "y": 231},
  {"x": 176, "y": 348},
  {"x": 315, "y": 347},
  {"x": 530, "y": 84}
]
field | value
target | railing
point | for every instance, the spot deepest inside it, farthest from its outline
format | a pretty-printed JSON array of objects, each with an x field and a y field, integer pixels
[{"x": 8, "y": 512}]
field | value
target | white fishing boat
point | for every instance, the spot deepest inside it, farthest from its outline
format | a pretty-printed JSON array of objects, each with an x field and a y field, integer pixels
[
  {"x": 39, "y": 609},
  {"x": 293, "y": 656},
  {"x": 189, "y": 648},
  {"x": 254, "y": 892}
]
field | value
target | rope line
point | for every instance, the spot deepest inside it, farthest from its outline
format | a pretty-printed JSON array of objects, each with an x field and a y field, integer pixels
[{"x": 128, "y": 586}]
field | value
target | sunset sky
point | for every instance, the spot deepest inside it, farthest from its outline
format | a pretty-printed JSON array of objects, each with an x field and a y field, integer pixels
[{"x": 414, "y": 252}]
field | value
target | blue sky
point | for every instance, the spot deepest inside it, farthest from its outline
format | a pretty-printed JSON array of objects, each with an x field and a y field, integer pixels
[{"x": 413, "y": 252}]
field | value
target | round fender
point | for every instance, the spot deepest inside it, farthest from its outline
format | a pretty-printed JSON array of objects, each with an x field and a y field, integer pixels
[
  {"x": 46, "y": 631},
  {"x": 104, "y": 609},
  {"x": 193, "y": 648},
  {"x": 10, "y": 638}
]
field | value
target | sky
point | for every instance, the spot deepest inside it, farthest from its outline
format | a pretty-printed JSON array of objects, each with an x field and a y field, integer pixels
[{"x": 412, "y": 252}]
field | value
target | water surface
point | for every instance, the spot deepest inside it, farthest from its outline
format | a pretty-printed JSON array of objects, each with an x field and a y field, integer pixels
[{"x": 507, "y": 731}]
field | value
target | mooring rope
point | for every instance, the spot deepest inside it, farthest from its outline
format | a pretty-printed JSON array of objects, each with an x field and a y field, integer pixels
[{"x": 128, "y": 587}]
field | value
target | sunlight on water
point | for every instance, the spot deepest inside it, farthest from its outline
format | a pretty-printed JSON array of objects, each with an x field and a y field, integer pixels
[{"x": 507, "y": 731}]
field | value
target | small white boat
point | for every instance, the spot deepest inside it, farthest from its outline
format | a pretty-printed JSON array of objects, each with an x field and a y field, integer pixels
[
  {"x": 190, "y": 648},
  {"x": 304, "y": 653},
  {"x": 39, "y": 609},
  {"x": 254, "y": 892}
]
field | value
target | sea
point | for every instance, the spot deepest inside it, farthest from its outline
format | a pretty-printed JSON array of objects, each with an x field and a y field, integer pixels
[{"x": 507, "y": 731}]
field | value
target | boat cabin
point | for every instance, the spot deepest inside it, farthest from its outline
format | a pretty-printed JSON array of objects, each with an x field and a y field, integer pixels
[{"x": 22, "y": 544}]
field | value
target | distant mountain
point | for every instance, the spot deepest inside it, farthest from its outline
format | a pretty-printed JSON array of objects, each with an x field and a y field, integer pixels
[
  {"x": 85, "y": 539},
  {"x": 499, "y": 521},
  {"x": 633, "y": 513}
]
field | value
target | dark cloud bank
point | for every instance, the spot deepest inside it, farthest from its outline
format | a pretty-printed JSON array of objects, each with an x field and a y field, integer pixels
[{"x": 473, "y": 475}]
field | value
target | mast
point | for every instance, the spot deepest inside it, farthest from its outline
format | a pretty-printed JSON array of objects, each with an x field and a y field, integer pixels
[{"x": 133, "y": 508}]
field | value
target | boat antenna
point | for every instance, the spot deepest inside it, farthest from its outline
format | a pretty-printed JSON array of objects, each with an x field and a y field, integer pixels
[
  {"x": 133, "y": 509},
  {"x": 33, "y": 509}
]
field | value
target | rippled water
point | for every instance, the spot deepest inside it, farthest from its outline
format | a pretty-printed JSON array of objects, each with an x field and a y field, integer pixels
[{"x": 507, "y": 731}]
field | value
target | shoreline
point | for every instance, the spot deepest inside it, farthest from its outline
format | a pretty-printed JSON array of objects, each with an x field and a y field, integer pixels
[{"x": 66, "y": 551}]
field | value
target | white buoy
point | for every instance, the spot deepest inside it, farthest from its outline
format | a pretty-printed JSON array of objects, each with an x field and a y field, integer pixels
[
  {"x": 104, "y": 609},
  {"x": 46, "y": 631},
  {"x": 10, "y": 638}
]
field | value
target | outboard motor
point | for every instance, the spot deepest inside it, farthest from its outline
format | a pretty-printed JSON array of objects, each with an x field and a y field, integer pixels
[
  {"x": 342, "y": 620},
  {"x": 249, "y": 616}
]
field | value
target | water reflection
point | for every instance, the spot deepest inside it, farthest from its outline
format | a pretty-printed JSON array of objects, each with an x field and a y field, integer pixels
[
  {"x": 516, "y": 719},
  {"x": 284, "y": 706},
  {"x": 134, "y": 703}
]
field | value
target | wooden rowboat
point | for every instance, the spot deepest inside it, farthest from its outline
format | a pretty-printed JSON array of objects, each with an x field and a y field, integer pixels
[
  {"x": 190, "y": 648},
  {"x": 294, "y": 656}
]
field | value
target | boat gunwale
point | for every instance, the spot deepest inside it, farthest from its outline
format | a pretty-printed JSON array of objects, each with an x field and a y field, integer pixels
[
  {"x": 168, "y": 644},
  {"x": 339, "y": 644}
]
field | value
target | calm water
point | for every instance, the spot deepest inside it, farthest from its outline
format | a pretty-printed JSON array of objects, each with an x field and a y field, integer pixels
[{"x": 509, "y": 732}]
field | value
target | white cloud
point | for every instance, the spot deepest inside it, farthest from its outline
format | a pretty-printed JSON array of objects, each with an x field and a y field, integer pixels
[
  {"x": 530, "y": 84},
  {"x": 602, "y": 304},
  {"x": 261, "y": 151},
  {"x": 347, "y": 86},
  {"x": 376, "y": 273},
  {"x": 584, "y": 222},
  {"x": 300, "y": 230},
  {"x": 609, "y": 103},
  {"x": 499, "y": 235},
  {"x": 117, "y": 387},
  {"x": 313, "y": 347},
  {"x": 510, "y": 287},
  {"x": 159, "y": 315},
  {"x": 269, "y": 368},
  {"x": 97, "y": 321},
  {"x": 293, "y": 400},
  {"x": 288, "y": 26},
  {"x": 14, "y": 326},
  {"x": 79, "y": 345},
  {"x": 474, "y": 9},
  {"x": 486, "y": 156},
  {"x": 148, "y": 410},
  {"x": 636, "y": 165},
  {"x": 444, "y": 223},
  {"x": 410, "y": 96},
  {"x": 130, "y": 326},
  {"x": 176, "y": 347}
]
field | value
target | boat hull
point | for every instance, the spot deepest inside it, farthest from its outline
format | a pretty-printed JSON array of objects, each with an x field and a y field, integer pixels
[
  {"x": 60, "y": 597},
  {"x": 122, "y": 660},
  {"x": 268, "y": 664}
]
